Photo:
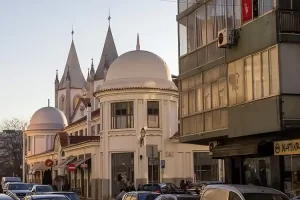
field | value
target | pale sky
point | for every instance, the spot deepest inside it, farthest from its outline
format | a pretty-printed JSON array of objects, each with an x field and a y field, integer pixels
[{"x": 36, "y": 35}]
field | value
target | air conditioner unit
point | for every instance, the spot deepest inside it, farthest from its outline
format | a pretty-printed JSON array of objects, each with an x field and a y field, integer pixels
[
  {"x": 211, "y": 146},
  {"x": 227, "y": 38}
]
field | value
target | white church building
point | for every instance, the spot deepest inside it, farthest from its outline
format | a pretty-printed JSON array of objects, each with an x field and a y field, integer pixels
[{"x": 102, "y": 125}]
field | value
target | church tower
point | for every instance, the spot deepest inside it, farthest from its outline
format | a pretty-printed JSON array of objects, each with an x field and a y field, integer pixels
[
  {"x": 68, "y": 89},
  {"x": 109, "y": 55}
]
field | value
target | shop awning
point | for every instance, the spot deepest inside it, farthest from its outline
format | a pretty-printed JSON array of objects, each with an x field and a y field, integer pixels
[
  {"x": 66, "y": 162},
  {"x": 38, "y": 167},
  {"x": 81, "y": 161}
]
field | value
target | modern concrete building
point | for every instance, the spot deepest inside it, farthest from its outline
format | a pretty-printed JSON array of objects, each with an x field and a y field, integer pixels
[{"x": 239, "y": 86}]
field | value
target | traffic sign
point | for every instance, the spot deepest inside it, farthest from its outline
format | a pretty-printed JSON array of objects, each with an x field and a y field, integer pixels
[
  {"x": 49, "y": 163},
  {"x": 152, "y": 151},
  {"x": 162, "y": 164},
  {"x": 71, "y": 167}
]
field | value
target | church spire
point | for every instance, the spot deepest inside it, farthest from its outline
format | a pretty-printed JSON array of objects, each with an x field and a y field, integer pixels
[
  {"x": 109, "y": 18},
  {"x": 56, "y": 78},
  {"x": 109, "y": 54},
  {"x": 92, "y": 71},
  {"x": 138, "y": 42},
  {"x": 72, "y": 69}
]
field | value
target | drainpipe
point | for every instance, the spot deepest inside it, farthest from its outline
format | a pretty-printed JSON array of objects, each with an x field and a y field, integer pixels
[{"x": 89, "y": 119}]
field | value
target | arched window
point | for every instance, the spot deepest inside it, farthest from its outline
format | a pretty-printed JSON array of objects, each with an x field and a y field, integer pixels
[
  {"x": 76, "y": 101},
  {"x": 62, "y": 103}
]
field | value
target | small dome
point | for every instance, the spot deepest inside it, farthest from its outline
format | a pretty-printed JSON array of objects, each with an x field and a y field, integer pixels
[
  {"x": 48, "y": 118},
  {"x": 138, "y": 69}
]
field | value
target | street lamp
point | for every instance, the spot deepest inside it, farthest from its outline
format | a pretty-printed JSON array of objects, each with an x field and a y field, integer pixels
[{"x": 143, "y": 134}]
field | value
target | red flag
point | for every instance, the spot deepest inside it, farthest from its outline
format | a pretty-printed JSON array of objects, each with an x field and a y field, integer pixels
[{"x": 247, "y": 9}]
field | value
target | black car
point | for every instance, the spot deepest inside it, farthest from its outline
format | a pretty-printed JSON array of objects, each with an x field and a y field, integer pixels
[
  {"x": 70, "y": 195},
  {"x": 177, "y": 197},
  {"x": 163, "y": 188}
]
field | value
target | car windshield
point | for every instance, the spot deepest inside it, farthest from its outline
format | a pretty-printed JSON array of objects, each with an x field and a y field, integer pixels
[
  {"x": 147, "y": 196},
  {"x": 264, "y": 196},
  {"x": 148, "y": 187},
  {"x": 45, "y": 188},
  {"x": 17, "y": 187},
  {"x": 171, "y": 186},
  {"x": 71, "y": 196},
  {"x": 30, "y": 186}
]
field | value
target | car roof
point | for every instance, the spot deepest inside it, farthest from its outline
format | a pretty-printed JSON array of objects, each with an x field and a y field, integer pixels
[
  {"x": 40, "y": 196},
  {"x": 62, "y": 192},
  {"x": 41, "y": 185},
  {"x": 244, "y": 188},
  {"x": 142, "y": 192},
  {"x": 11, "y": 183}
]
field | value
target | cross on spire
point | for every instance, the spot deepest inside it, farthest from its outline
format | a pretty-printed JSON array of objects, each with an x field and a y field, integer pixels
[
  {"x": 109, "y": 17},
  {"x": 72, "y": 32}
]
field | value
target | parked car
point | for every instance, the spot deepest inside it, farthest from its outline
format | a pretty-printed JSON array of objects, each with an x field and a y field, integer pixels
[
  {"x": 41, "y": 189},
  {"x": 70, "y": 195},
  {"x": 193, "y": 187},
  {"x": 10, "y": 179},
  {"x": 140, "y": 195},
  {"x": 19, "y": 189},
  {"x": 46, "y": 197},
  {"x": 5, "y": 197},
  {"x": 241, "y": 192},
  {"x": 163, "y": 188},
  {"x": 12, "y": 195},
  {"x": 178, "y": 197},
  {"x": 30, "y": 185}
]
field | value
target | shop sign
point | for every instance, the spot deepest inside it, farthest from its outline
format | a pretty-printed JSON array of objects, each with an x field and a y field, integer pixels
[
  {"x": 288, "y": 147},
  {"x": 83, "y": 165}
]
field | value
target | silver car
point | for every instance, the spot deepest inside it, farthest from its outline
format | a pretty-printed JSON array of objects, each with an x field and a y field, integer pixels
[
  {"x": 241, "y": 192},
  {"x": 5, "y": 197},
  {"x": 19, "y": 189}
]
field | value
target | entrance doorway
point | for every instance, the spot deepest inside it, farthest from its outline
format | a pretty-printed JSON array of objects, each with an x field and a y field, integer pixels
[{"x": 122, "y": 165}]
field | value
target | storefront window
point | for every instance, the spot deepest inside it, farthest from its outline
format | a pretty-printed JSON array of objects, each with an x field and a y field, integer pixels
[
  {"x": 292, "y": 175},
  {"x": 257, "y": 171},
  {"x": 205, "y": 168}
]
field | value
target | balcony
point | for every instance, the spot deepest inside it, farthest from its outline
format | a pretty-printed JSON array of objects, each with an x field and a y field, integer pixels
[{"x": 288, "y": 26}]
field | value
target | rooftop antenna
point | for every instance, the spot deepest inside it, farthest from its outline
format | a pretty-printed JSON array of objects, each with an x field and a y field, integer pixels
[
  {"x": 109, "y": 17},
  {"x": 72, "y": 32}
]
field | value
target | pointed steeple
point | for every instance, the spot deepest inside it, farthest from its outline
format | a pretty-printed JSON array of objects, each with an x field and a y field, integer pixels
[
  {"x": 72, "y": 69},
  {"x": 138, "y": 42},
  {"x": 92, "y": 71},
  {"x": 110, "y": 50},
  {"x": 56, "y": 78},
  {"x": 88, "y": 78}
]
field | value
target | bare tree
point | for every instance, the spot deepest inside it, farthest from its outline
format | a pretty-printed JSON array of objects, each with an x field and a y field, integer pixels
[{"x": 11, "y": 146}]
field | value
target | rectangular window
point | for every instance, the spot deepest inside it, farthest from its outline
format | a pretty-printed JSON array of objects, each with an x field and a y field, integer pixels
[
  {"x": 199, "y": 123},
  {"x": 198, "y": 80},
  {"x": 93, "y": 131},
  {"x": 199, "y": 100},
  {"x": 208, "y": 121},
  {"x": 248, "y": 79},
  {"x": 215, "y": 94},
  {"x": 191, "y": 102},
  {"x": 265, "y": 6},
  {"x": 185, "y": 104},
  {"x": 224, "y": 118},
  {"x": 81, "y": 133},
  {"x": 182, "y": 25},
  {"x": 274, "y": 70},
  {"x": 201, "y": 26},
  {"x": 211, "y": 21},
  {"x": 237, "y": 13},
  {"x": 28, "y": 143},
  {"x": 221, "y": 15},
  {"x": 230, "y": 14},
  {"x": 207, "y": 96},
  {"x": 153, "y": 114},
  {"x": 257, "y": 88},
  {"x": 223, "y": 92},
  {"x": 240, "y": 90},
  {"x": 191, "y": 32},
  {"x": 232, "y": 84},
  {"x": 76, "y": 133},
  {"x": 122, "y": 115},
  {"x": 265, "y": 74},
  {"x": 185, "y": 84}
]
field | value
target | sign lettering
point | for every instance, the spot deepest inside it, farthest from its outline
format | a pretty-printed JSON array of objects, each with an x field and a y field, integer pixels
[{"x": 287, "y": 147}]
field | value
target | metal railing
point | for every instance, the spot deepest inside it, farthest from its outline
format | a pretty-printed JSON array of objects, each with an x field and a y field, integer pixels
[{"x": 289, "y": 22}]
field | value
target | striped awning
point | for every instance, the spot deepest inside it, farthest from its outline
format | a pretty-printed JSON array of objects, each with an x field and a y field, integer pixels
[
  {"x": 81, "y": 161},
  {"x": 38, "y": 167}
]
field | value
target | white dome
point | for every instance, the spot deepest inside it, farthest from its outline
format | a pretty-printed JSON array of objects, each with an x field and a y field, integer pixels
[
  {"x": 138, "y": 69},
  {"x": 48, "y": 118}
]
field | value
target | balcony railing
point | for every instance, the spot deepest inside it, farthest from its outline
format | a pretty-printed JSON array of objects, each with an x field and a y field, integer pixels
[{"x": 289, "y": 22}]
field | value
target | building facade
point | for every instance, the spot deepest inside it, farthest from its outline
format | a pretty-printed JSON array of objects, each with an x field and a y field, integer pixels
[
  {"x": 238, "y": 82},
  {"x": 102, "y": 126}
]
